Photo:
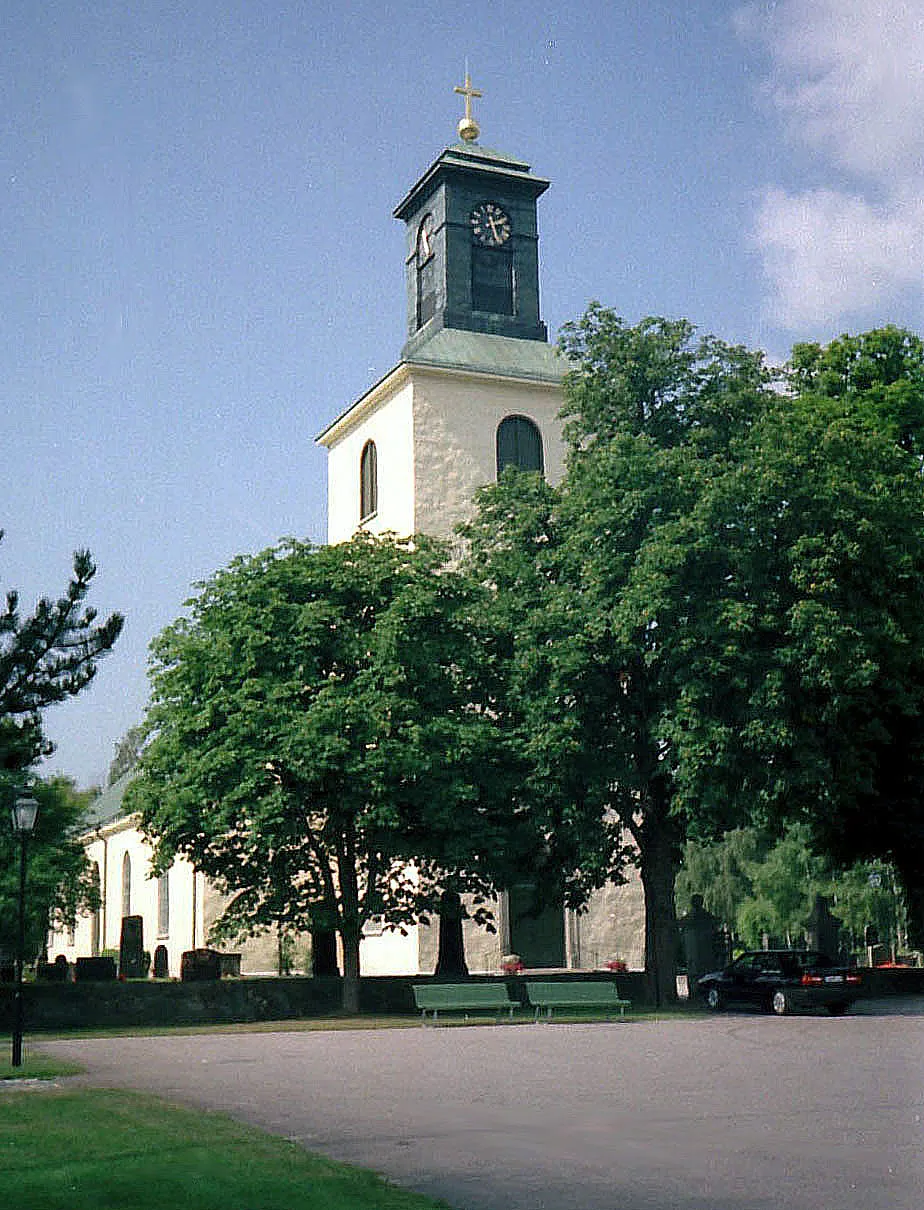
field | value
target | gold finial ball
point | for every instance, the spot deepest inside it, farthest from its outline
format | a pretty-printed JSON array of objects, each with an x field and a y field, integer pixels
[{"x": 469, "y": 130}]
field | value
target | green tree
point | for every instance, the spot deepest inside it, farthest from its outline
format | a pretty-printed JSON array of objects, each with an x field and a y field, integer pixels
[
  {"x": 45, "y": 657},
  {"x": 868, "y": 895},
  {"x": 721, "y": 872},
  {"x": 652, "y": 417},
  {"x": 59, "y": 876},
  {"x": 867, "y": 586},
  {"x": 318, "y": 720},
  {"x": 719, "y": 615},
  {"x": 127, "y": 753},
  {"x": 755, "y": 885},
  {"x": 783, "y": 889}
]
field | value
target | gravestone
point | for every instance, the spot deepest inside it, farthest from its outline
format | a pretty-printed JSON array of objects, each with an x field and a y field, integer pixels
[
  {"x": 198, "y": 966},
  {"x": 132, "y": 963},
  {"x": 161, "y": 963},
  {"x": 823, "y": 928},
  {"x": 703, "y": 944},
  {"x": 229, "y": 966},
  {"x": 94, "y": 970}
]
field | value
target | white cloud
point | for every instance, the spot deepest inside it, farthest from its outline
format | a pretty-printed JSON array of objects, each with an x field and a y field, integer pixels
[{"x": 848, "y": 81}]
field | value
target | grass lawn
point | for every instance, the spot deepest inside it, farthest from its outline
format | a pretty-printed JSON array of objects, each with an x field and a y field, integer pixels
[
  {"x": 104, "y": 1150},
  {"x": 38, "y": 1067}
]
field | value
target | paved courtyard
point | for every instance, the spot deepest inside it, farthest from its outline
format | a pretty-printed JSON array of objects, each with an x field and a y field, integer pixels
[{"x": 736, "y": 1112}]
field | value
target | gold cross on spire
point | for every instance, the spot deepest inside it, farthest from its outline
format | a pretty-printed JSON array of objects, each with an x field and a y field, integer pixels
[{"x": 468, "y": 127}]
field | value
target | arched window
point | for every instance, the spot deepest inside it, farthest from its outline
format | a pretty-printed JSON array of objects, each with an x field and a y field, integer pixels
[
  {"x": 426, "y": 271},
  {"x": 368, "y": 481},
  {"x": 126, "y": 885},
  {"x": 519, "y": 444},
  {"x": 163, "y": 905}
]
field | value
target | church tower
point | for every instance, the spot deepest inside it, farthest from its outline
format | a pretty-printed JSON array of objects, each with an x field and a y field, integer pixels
[
  {"x": 478, "y": 386},
  {"x": 472, "y": 260}
]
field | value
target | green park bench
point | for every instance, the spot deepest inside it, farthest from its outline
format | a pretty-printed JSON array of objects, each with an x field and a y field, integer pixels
[
  {"x": 584, "y": 994},
  {"x": 462, "y": 997}
]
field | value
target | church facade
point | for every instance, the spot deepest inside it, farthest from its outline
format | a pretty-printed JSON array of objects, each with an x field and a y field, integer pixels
[{"x": 477, "y": 388}]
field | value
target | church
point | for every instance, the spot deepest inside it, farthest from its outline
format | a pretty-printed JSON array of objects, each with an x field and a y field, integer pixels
[{"x": 477, "y": 388}]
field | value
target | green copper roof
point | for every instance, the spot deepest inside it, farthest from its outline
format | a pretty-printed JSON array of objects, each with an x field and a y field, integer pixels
[
  {"x": 480, "y": 352},
  {"x": 474, "y": 151},
  {"x": 108, "y": 806}
]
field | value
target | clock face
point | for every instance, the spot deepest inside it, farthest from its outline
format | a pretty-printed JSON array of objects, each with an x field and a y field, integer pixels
[{"x": 490, "y": 225}]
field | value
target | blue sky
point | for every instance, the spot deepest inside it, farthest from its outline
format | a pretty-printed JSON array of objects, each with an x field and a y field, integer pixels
[{"x": 200, "y": 267}]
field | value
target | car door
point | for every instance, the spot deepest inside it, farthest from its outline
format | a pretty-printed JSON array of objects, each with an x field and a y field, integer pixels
[
  {"x": 768, "y": 978},
  {"x": 744, "y": 973}
]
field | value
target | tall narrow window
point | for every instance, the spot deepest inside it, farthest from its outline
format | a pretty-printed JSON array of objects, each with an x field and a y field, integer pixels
[
  {"x": 96, "y": 919},
  {"x": 368, "y": 481},
  {"x": 163, "y": 905},
  {"x": 519, "y": 444},
  {"x": 126, "y": 885},
  {"x": 492, "y": 280},
  {"x": 426, "y": 271}
]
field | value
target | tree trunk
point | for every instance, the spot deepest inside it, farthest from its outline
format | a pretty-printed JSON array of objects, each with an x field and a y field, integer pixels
[
  {"x": 659, "y": 862},
  {"x": 450, "y": 961},
  {"x": 350, "y": 926},
  {"x": 349, "y": 936}
]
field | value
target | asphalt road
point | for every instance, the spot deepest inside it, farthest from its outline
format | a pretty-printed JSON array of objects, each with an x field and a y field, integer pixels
[{"x": 737, "y": 1111}]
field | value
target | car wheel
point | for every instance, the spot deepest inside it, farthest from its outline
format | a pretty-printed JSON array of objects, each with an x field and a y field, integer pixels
[
  {"x": 779, "y": 1002},
  {"x": 714, "y": 999},
  {"x": 837, "y": 1010}
]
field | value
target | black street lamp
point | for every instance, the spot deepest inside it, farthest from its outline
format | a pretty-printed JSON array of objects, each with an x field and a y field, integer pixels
[{"x": 24, "y": 813}]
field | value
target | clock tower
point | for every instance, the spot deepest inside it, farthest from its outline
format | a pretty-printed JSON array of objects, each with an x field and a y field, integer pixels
[
  {"x": 477, "y": 389},
  {"x": 478, "y": 386},
  {"x": 472, "y": 259}
]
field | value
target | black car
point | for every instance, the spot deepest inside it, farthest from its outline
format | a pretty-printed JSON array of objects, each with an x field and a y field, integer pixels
[{"x": 782, "y": 981}]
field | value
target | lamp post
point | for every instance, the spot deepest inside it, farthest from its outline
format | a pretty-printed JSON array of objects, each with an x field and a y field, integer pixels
[{"x": 24, "y": 812}]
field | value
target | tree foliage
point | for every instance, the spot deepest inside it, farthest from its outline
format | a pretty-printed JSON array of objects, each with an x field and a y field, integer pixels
[
  {"x": 651, "y": 416},
  {"x": 321, "y": 717},
  {"x": 716, "y": 616},
  {"x": 756, "y": 883},
  {"x": 127, "y": 754},
  {"x": 59, "y": 879},
  {"x": 45, "y": 657}
]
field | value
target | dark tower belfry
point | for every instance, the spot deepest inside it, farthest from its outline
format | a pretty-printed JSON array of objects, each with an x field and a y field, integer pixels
[{"x": 472, "y": 242}]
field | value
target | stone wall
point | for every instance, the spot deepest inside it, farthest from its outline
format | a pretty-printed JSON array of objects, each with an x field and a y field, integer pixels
[{"x": 133, "y": 1005}]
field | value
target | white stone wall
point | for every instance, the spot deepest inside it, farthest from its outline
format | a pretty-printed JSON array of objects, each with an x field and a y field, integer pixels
[
  {"x": 388, "y": 953},
  {"x": 387, "y": 419},
  {"x": 456, "y": 417},
  {"x": 435, "y": 436}
]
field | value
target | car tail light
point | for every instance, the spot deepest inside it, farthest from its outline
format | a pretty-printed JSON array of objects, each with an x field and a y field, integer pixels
[
  {"x": 811, "y": 980},
  {"x": 854, "y": 979}
]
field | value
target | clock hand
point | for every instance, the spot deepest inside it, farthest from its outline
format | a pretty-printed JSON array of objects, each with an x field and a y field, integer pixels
[{"x": 493, "y": 225}]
